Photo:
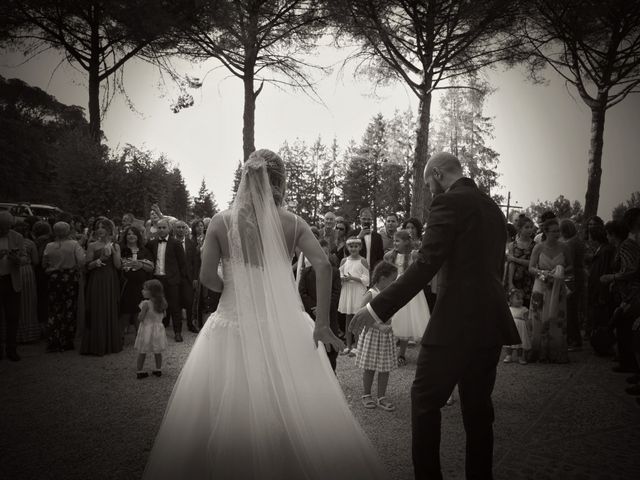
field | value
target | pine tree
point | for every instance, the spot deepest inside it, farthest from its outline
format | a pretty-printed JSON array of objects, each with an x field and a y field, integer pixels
[
  {"x": 237, "y": 176},
  {"x": 204, "y": 204}
]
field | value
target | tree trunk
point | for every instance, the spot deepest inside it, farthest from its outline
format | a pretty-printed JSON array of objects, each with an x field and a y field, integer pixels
[
  {"x": 421, "y": 196},
  {"x": 249, "y": 116},
  {"x": 592, "y": 196},
  {"x": 94, "y": 79}
]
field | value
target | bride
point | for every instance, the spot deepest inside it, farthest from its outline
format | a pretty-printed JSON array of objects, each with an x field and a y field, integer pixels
[{"x": 256, "y": 398}]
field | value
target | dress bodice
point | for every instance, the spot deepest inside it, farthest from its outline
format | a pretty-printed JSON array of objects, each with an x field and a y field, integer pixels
[{"x": 546, "y": 262}]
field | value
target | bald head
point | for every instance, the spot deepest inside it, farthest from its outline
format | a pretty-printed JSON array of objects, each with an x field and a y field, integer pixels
[{"x": 442, "y": 170}]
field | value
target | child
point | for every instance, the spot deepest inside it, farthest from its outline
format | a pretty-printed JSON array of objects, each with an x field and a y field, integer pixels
[
  {"x": 354, "y": 273},
  {"x": 520, "y": 314},
  {"x": 376, "y": 347},
  {"x": 410, "y": 322},
  {"x": 151, "y": 336}
]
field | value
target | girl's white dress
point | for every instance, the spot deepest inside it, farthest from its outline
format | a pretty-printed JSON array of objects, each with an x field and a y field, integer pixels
[
  {"x": 410, "y": 322},
  {"x": 376, "y": 350},
  {"x": 519, "y": 317},
  {"x": 151, "y": 336},
  {"x": 352, "y": 292}
]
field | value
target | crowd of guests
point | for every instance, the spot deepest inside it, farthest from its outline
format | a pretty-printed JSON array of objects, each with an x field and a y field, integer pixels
[
  {"x": 70, "y": 280},
  {"x": 85, "y": 285}
]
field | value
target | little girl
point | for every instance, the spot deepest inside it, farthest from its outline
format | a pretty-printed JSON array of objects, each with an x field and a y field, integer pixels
[
  {"x": 410, "y": 322},
  {"x": 151, "y": 336},
  {"x": 376, "y": 347},
  {"x": 520, "y": 314},
  {"x": 354, "y": 272}
]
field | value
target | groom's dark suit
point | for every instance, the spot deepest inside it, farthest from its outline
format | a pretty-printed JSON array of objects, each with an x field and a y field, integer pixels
[{"x": 465, "y": 242}]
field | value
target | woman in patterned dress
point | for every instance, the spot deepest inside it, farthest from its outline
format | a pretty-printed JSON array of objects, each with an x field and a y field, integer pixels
[
  {"x": 62, "y": 260},
  {"x": 29, "y": 329},
  {"x": 550, "y": 262},
  {"x": 518, "y": 256}
]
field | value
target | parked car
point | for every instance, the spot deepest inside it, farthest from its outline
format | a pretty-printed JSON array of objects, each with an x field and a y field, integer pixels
[{"x": 23, "y": 210}]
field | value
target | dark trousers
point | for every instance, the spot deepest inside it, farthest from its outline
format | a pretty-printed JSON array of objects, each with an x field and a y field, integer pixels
[
  {"x": 623, "y": 321},
  {"x": 10, "y": 304},
  {"x": 574, "y": 337},
  {"x": 186, "y": 298},
  {"x": 174, "y": 309},
  {"x": 438, "y": 370}
]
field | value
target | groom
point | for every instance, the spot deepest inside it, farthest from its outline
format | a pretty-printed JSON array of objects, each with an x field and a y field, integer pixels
[{"x": 470, "y": 322}]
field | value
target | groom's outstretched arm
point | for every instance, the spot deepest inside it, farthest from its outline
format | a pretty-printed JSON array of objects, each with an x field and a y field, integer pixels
[{"x": 436, "y": 247}]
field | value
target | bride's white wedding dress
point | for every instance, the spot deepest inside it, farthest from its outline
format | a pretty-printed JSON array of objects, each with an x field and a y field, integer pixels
[{"x": 256, "y": 399}]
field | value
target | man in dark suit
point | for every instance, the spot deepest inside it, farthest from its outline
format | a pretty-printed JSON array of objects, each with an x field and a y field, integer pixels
[
  {"x": 192, "y": 262},
  {"x": 464, "y": 242},
  {"x": 170, "y": 269},
  {"x": 307, "y": 290},
  {"x": 372, "y": 245}
]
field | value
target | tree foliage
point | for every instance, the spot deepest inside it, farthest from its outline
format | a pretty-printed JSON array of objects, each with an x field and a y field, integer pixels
[
  {"x": 426, "y": 45},
  {"x": 49, "y": 156},
  {"x": 561, "y": 206},
  {"x": 594, "y": 45},
  {"x": 204, "y": 205},
  {"x": 633, "y": 201}
]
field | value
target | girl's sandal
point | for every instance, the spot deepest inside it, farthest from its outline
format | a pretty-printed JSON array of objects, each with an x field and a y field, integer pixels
[
  {"x": 386, "y": 405},
  {"x": 401, "y": 361},
  {"x": 368, "y": 402}
]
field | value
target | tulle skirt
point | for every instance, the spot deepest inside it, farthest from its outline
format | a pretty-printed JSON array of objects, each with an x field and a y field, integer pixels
[
  {"x": 151, "y": 338},
  {"x": 213, "y": 430},
  {"x": 410, "y": 322}
]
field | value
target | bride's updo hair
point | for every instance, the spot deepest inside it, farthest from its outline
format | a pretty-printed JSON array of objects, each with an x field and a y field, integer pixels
[{"x": 275, "y": 170}]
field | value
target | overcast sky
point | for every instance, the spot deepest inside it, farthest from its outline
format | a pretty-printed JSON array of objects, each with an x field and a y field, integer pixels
[{"x": 541, "y": 131}]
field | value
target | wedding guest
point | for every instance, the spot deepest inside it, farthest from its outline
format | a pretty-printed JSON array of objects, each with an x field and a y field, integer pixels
[
  {"x": 354, "y": 274},
  {"x": 29, "y": 329},
  {"x": 308, "y": 294},
  {"x": 328, "y": 231},
  {"x": 625, "y": 285},
  {"x": 12, "y": 256},
  {"x": 151, "y": 226},
  {"x": 192, "y": 271},
  {"x": 376, "y": 350},
  {"x": 389, "y": 230},
  {"x": 518, "y": 256},
  {"x": 372, "y": 249},
  {"x": 129, "y": 220},
  {"x": 599, "y": 303},
  {"x": 576, "y": 282},
  {"x": 137, "y": 268},
  {"x": 205, "y": 301},
  {"x": 62, "y": 260},
  {"x": 547, "y": 215},
  {"x": 414, "y": 227},
  {"x": 41, "y": 233},
  {"x": 170, "y": 268},
  {"x": 151, "y": 337},
  {"x": 103, "y": 333},
  {"x": 549, "y": 263},
  {"x": 79, "y": 231},
  {"x": 520, "y": 313},
  {"x": 342, "y": 233},
  {"x": 590, "y": 244},
  {"x": 410, "y": 322}
]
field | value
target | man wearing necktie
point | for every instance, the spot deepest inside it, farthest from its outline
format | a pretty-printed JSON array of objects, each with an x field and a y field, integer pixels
[
  {"x": 192, "y": 262},
  {"x": 170, "y": 269}
]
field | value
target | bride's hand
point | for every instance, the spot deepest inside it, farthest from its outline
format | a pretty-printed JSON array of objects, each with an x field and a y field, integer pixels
[{"x": 329, "y": 340}]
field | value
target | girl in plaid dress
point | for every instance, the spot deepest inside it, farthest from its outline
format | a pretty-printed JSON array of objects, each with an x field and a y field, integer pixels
[{"x": 376, "y": 345}]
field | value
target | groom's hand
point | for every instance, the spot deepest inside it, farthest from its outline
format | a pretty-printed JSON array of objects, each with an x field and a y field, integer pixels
[{"x": 360, "y": 320}]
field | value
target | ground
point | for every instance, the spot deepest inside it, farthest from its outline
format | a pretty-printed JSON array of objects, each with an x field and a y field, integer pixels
[{"x": 65, "y": 416}]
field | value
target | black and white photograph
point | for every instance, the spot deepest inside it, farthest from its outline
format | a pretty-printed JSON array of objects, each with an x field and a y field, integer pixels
[{"x": 319, "y": 239}]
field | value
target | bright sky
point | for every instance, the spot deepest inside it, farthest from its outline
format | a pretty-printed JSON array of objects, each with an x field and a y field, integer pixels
[{"x": 541, "y": 131}]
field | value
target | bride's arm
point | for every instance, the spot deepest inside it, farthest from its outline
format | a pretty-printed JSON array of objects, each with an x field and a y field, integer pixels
[{"x": 211, "y": 254}]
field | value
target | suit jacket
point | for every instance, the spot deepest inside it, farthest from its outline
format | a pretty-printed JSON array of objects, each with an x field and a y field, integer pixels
[
  {"x": 16, "y": 242},
  {"x": 377, "y": 248},
  {"x": 175, "y": 265},
  {"x": 192, "y": 259},
  {"x": 464, "y": 242},
  {"x": 307, "y": 290}
]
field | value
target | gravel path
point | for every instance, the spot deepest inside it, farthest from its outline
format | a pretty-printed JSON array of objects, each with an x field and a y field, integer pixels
[{"x": 66, "y": 416}]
